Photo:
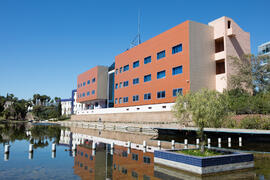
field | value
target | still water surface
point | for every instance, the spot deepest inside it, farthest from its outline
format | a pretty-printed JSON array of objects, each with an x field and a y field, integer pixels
[{"x": 86, "y": 163}]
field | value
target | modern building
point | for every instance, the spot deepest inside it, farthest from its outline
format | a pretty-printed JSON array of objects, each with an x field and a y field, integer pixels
[
  {"x": 66, "y": 106},
  {"x": 71, "y": 106},
  {"x": 264, "y": 49},
  {"x": 92, "y": 88},
  {"x": 76, "y": 105},
  {"x": 187, "y": 57}
]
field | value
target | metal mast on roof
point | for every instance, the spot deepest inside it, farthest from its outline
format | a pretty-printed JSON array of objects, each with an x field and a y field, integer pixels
[{"x": 137, "y": 40}]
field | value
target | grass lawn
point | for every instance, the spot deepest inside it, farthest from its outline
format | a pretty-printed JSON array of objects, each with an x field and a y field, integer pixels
[{"x": 197, "y": 152}]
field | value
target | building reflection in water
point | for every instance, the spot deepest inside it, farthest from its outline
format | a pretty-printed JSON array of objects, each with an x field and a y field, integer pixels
[{"x": 125, "y": 163}]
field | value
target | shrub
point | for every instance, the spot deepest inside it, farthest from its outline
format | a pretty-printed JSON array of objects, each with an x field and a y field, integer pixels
[{"x": 250, "y": 123}]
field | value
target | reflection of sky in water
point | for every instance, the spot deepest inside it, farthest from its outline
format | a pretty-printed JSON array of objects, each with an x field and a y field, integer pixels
[{"x": 42, "y": 166}]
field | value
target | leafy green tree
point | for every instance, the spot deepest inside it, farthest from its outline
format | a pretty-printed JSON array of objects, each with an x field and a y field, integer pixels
[
  {"x": 206, "y": 108},
  {"x": 251, "y": 73},
  {"x": 239, "y": 101},
  {"x": 20, "y": 108}
]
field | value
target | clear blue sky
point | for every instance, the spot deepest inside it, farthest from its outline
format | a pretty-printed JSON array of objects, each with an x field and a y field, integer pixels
[{"x": 45, "y": 44}]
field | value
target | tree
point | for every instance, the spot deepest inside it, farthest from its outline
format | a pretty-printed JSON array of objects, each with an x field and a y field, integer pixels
[
  {"x": 251, "y": 72},
  {"x": 2, "y": 103},
  {"x": 206, "y": 108},
  {"x": 36, "y": 98}
]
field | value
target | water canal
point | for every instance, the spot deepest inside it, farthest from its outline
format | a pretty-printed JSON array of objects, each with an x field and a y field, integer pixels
[{"x": 103, "y": 162}]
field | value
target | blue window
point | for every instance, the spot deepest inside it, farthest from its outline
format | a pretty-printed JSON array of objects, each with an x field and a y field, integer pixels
[
  {"x": 177, "y": 70},
  {"x": 116, "y": 86},
  {"x": 147, "y": 78},
  {"x": 83, "y": 94},
  {"x": 177, "y": 91},
  {"x": 120, "y": 70},
  {"x": 135, "y": 98},
  {"x": 161, "y": 54},
  {"x": 124, "y": 154},
  {"x": 147, "y": 60},
  {"x": 115, "y": 102},
  {"x": 88, "y": 93},
  {"x": 136, "y": 64},
  {"x": 120, "y": 100},
  {"x": 135, "y": 157},
  {"x": 120, "y": 85},
  {"x": 126, "y": 68},
  {"x": 93, "y": 91},
  {"x": 136, "y": 81},
  {"x": 88, "y": 82},
  {"x": 116, "y": 71},
  {"x": 125, "y": 99},
  {"x": 160, "y": 94},
  {"x": 147, "y": 96},
  {"x": 146, "y": 159},
  {"x": 125, "y": 84},
  {"x": 83, "y": 83},
  {"x": 161, "y": 74},
  {"x": 177, "y": 49},
  {"x": 93, "y": 80}
]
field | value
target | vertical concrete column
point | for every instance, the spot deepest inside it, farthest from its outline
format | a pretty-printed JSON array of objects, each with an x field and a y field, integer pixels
[
  {"x": 229, "y": 142},
  {"x": 129, "y": 144},
  {"x": 240, "y": 141},
  {"x": 219, "y": 142},
  {"x": 53, "y": 147},
  {"x": 112, "y": 145},
  {"x": 144, "y": 144},
  {"x": 173, "y": 144},
  {"x": 159, "y": 144},
  {"x": 53, "y": 154},
  {"x": 209, "y": 142},
  {"x": 6, "y": 156},
  {"x": 94, "y": 145},
  {"x": 7, "y": 148},
  {"x": 197, "y": 143},
  {"x": 30, "y": 155},
  {"x": 186, "y": 143},
  {"x": 30, "y": 147}
]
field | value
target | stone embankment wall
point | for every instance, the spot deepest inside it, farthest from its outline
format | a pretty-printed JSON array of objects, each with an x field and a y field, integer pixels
[{"x": 138, "y": 117}]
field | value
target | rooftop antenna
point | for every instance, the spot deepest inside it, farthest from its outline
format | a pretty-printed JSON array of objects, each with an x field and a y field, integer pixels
[{"x": 137, "y": 40}]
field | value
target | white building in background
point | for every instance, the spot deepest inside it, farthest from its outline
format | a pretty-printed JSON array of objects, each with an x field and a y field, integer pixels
[
  {"x": 66, "y": 106},
  {"x": 71, "y": 106},
  {"x": 76, "y": 105},
  {"x": 264, "y": 49}
]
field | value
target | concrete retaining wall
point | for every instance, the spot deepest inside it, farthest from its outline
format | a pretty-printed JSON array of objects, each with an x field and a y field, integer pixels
[{"x": 139, "y": 117}]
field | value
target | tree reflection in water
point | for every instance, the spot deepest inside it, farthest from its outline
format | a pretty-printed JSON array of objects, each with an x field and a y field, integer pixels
[{"x": 40, "y": 134}]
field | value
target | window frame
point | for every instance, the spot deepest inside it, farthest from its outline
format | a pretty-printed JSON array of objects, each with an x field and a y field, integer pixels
[
  {"x": 177, "y": 48},
  {"x": 163, "y": 75},
  {"x": 160, "y": 94},
  {"x": 161, "y": 54},
  {"x": 135, "y": 65},
  {"x": 147, "y": 60},
  {"x": 174, "y": 70},
  {"x": 145, "y": 78},
  {"x": 177, "y": 91}
]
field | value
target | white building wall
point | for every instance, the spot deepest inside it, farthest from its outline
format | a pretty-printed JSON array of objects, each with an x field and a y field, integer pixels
[{"x": 66, "y": 107}]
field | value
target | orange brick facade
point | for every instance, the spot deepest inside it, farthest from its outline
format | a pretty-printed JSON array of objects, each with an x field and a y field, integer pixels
[
  {"x": 86, "y": 84},
  {"x": 165, "y": 41}
]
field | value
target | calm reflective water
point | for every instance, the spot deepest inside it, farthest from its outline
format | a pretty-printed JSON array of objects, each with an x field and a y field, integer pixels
[{"x": 86, "y": 163}]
